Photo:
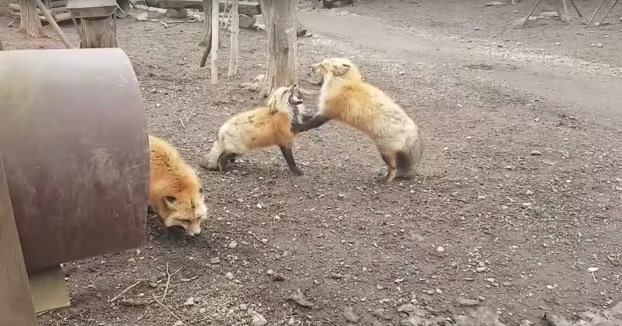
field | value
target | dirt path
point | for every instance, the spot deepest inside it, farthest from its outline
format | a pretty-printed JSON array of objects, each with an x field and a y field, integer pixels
[{"x": 589, "y": 87}]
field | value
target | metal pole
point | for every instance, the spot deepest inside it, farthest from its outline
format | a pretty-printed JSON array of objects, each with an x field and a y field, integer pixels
[{"x": 530, "y": 13}]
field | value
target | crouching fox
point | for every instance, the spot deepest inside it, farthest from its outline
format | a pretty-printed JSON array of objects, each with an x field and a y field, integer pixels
[
  {"x": 259, "y": 128},
  {"x": 347, "y": 98},
  {"x": 175, "y": 192}
]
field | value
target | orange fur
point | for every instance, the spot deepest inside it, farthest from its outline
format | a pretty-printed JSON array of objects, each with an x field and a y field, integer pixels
[
  {"x": 258, "y": 128},
  {"x": 346, "y": 97},
  {"x": 175, "y": 192}
]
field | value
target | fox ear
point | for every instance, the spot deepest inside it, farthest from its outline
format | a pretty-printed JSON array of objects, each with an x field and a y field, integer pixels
[
  {"x": 342, "y": 69},
  {"x": 169, "y": 201}
]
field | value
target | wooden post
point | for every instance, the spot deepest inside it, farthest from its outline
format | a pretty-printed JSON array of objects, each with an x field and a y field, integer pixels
[
  {"x": 207, "y": 38},
  {"x": 29, "y": 24},
  {"x": 215, "y": 32},
  {"x": 98, "y": 32},
  {"x": 16, "y": 306},
  {"x": 235, "y": 30},
  {"x": 98, "y": 25},
  {"x": 280, "y": 18}
]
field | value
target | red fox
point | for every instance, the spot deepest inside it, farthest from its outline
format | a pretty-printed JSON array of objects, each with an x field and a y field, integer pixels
[
  {"x": 175, "y": 192},
  {"x": 259, "y": 128},
  {"x": 347, "y": 98}
]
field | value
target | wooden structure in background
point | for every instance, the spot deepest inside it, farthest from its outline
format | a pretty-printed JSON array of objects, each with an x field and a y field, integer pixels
[
  {"x": 98, "y": 25},
  {"x": 58, "y": 9}
]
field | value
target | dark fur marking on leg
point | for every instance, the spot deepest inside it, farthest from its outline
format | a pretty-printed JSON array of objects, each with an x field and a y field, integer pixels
[
  {"x": 289, "y": 158},
  {"x": 312, "y": 123},
  {"x": 223, "y": 159},
  {"x": 404, "y": 165}
]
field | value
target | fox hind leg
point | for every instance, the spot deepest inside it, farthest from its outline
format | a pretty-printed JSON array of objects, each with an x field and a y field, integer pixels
[
  {"x": 404, "y": 165},
  {"x": 289, "y": 158},
  {"x": 223, "y": 159},
  {"x": 390, "y": 161}
]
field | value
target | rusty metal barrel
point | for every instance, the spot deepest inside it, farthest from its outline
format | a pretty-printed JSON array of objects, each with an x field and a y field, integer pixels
[{"x": 73, "y": 139}]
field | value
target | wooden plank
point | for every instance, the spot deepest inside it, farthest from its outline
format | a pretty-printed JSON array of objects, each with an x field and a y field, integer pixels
[
  {"x": 49, "y": 290},
  {"x": 249, "y": 8},
  {"x": 53, "y": 11},
  {"x": 16, "y": 306}
]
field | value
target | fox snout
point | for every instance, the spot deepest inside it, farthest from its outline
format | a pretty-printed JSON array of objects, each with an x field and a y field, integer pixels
[{"x": 193, "y": 229}]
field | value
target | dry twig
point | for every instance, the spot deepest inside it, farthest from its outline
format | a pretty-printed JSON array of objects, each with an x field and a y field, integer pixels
[
  {"x": 165, "y": 307},
  {"x": 168, "y": 280},
  {"x": 124, "y": 291}
]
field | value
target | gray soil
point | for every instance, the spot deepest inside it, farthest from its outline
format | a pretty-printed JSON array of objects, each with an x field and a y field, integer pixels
[{"x": 518, "y": 196}]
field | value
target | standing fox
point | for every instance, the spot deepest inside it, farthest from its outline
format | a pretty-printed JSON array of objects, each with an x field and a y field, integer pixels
[
  {"x": 259, "y": 128},
  {"x": 347, "y": 98},
  {"x": 175, "y": 192}
]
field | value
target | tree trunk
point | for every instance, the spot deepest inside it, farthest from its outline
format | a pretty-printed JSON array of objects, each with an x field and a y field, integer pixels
[
  {"x": 30, "y": 24},
  {"x": 98, "y": 32},
  {"x": 207, "y": 37},
  {"x": 280, "y": 18},
  {"x": 215, "y": 32},
  {"x": 235, "y": 30},
  {"x": 315, "y": 4}
]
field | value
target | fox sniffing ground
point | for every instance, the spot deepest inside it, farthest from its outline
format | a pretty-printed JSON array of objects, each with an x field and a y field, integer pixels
[{"x": 175, "y": 192}]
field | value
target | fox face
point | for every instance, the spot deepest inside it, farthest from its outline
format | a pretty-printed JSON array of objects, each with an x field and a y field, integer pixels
[
  {"x": 337, "y": 67},
  {"x": 184, "y": 210},
  {"x": 288, "y": 99}
]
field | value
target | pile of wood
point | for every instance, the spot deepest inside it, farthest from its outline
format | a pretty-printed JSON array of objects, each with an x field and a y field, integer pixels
[{"x": 58, "y": 9}]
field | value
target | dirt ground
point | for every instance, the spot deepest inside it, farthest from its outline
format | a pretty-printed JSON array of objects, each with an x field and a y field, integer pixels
[{"x": 519, "y": 194}]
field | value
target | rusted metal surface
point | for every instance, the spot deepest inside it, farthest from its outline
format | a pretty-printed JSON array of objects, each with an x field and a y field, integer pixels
[{"x": 74, "y": 142}]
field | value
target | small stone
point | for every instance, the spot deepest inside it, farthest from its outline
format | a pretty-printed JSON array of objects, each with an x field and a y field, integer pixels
[
  {"x": 480, "y": 298},
  {"x": 536, "y": 153},
  {"x": 264, "y": 240},
  {"x": 131, "y": 260},
  {"x": 550, "y": 287},
  {"x": 528, "y": 192},
  {"x": 190, "y": 302},
  {"x": 233, "y": 245},
  {"x": 440, "y": 249},
  {"x": 402, "y": 72},
  {"x": 270, "y": 272},
  {"x": 301, "y": 300},
  {"x": 214, "y": 260},
  {"x": 349, "y": 315},
  {"x": 592, "y": 269},
  {"x": 178, "y": 323},
  {"x": 382, "y": 314},
  {"x": 439, "y": 291},
  {"x": 258, "y": 320},
  {"x": 142, "y": 17},
  {"x": 277, "y": 218},
  {"x": 557, "y": 43},
  {"x": 202, "y": 310},
  {"x": 229, "y": 275},
  {"x": 243, "y": 307},
  {"x": 407, "y": 308},
  {"x": 480, "y": 269},
  {"x": 599, "y": 45},
  {"x": 467, "y": 302}
]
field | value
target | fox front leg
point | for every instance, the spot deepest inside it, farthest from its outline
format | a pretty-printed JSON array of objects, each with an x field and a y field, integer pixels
[
  {"x": 312, "y": 123},
  {"x": 289, "y": 158}
]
